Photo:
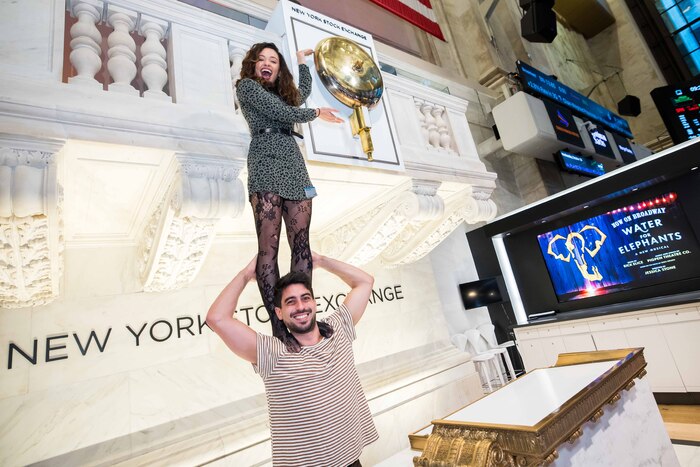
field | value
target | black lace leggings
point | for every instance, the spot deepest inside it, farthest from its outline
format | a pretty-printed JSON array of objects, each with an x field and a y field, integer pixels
[{"x": 269, "y": 209}]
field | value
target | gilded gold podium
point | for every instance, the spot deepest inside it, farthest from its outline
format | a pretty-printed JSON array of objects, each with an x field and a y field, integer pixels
[{"x": 568, "y": 415}]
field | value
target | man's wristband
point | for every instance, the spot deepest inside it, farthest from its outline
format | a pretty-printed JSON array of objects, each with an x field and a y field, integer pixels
[{"x": 318, "y": 112}]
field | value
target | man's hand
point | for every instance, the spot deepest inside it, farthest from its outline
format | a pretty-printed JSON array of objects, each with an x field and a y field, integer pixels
[
  {"x": 249, "y": 271},
  {"x": 360, "y": 282},
  {"x": 236, "y": 335}
]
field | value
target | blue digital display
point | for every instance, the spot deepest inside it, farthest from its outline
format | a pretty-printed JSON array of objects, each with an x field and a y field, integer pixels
[
  {"x": 538, "y": 83},
  {"x": 579, "y": 164}
]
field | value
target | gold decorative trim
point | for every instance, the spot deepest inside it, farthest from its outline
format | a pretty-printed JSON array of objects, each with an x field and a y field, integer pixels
[
  {"x": 534, "y": 445},
  {"x": 575, "y": 435},
  {"x": 614, "y": 399},
  {"x": 630, "y": 385},
  {"x": 597, "y": 416}
]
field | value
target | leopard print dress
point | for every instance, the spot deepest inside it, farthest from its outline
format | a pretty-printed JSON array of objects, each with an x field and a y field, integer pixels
[{"x": 275, "y": 163}]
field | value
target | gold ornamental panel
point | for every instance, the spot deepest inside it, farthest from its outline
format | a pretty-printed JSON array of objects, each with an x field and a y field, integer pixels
[{"x": 495, "y": 445}]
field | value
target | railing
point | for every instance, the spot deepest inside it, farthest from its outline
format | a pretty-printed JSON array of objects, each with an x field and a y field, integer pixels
[
  {"x": 142, "y": 49},
  {"x": 129, "y": 59}
]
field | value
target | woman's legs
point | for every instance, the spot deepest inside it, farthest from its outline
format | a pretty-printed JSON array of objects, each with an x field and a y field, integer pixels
[
  {"x": 267, "y": 212},
  {"x": 297, "y": 221}
]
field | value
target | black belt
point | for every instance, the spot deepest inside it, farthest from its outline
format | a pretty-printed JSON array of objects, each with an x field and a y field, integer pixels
[{"x": 284, "y": 131}]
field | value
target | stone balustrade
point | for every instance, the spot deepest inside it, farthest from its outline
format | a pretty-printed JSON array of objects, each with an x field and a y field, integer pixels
[{"x": 197, "y": 62}]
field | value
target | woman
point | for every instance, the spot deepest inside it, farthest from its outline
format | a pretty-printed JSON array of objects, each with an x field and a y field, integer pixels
[{"x": 279, "y": 187}]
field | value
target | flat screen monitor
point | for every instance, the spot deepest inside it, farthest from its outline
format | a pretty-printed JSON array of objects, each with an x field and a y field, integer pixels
[
  {"x": 601, "y": 143},
  {"x": 480, "y": 293},
  {"x": 679, "y": 108},
  {"x": 537, "y": 83},
  {"x": 635, "y": 245},
  {"x": 625, "y": 149},
  {"x": 578, "y": 164}
]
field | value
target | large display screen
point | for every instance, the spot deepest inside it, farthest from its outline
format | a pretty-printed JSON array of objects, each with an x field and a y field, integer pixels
[
  {"x": 538, "y": 83},
  {"x": 637, "y": 245},
  {"x": 678, "y": 106}
]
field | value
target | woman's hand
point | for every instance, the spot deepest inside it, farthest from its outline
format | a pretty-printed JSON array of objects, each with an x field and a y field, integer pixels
[
  {"x": 327, "y": 114},
  {"x": 302, "y": 54}
]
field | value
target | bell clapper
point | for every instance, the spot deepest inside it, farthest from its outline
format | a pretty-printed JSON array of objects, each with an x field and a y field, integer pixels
[{"x": 359, "y": 127}]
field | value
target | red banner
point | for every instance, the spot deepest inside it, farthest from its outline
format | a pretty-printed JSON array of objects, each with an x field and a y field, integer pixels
[{"x": 418, "y": 12}]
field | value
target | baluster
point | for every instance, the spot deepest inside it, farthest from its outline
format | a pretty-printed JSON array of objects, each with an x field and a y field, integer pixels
[
  {"x": 85, "y": 44},
  {"x": 421, "y": 118},
  {"x": 433, "y": 135},
  {"x": 122, "y": 52},
  {"x": 443, "y": 132},
  {"x": 236, "y": 55},
  {"x": 154, "y": 67}
]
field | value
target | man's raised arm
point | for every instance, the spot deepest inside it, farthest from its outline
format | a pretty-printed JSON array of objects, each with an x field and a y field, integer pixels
[
  {"x": 359, "y": 281},
  {"x": 236, "y": 335}
]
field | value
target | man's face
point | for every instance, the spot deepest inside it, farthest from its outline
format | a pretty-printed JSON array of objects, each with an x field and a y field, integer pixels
[{"x": 298, "y": 309}]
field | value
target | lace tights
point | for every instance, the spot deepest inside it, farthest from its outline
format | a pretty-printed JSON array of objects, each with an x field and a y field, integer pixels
[{"x": 269, "y": 209}]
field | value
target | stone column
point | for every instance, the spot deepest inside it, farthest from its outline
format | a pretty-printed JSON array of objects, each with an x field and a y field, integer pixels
[
  {"x": 85, "y": 44},
  {"x": 122, "y": 51},
  {"x": 154, "y": 65}
]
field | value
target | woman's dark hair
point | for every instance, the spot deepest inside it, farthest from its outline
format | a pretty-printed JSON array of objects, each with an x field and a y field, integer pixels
[{"x": 284, "y": 84}]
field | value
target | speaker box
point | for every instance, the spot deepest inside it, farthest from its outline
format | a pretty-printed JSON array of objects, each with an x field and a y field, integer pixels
[
  {"x": 629, "y": 105},
  {"x": 539, "y": 24}
]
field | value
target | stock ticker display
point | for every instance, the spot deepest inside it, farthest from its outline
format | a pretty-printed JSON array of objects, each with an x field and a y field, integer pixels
[
  {"x": 537, "y": 83},
  {"x": 678, "y": 106}
]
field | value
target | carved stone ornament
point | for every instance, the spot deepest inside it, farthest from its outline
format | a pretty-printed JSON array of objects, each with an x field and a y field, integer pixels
[
  {"x": 31, "y": 242},
  {"x": 182, "y": 228},
  {"x": 363, "y": 239},
  {"x": 407, "y": 227}
]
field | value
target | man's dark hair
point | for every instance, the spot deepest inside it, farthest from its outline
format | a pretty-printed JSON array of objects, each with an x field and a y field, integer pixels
[
  {"x": 294, "y": 277},
  {"x": 297, "y": 277}
]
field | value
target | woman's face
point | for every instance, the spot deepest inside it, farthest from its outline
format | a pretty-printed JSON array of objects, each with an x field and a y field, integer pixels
[{"x": 268, "y": 65}]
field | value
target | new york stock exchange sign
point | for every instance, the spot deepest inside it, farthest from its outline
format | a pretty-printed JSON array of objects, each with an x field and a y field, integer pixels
[{"x": 53, "y": 347}]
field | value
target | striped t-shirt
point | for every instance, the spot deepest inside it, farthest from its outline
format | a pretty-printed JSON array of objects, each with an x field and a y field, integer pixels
[{"x": 318, "y": 412}]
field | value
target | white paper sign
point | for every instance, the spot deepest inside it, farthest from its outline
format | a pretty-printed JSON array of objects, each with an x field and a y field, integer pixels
[{"x": 302, "y": 28}]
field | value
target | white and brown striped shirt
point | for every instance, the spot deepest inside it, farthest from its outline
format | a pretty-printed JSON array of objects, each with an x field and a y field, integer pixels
[{"x": 318, "y": 412}]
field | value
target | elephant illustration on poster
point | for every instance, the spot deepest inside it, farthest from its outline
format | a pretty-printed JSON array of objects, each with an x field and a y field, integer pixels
[{"x": 576, "y": 246}]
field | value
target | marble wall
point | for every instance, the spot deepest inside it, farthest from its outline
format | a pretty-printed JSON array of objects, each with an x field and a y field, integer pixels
[{"x": 112, "y": 362}]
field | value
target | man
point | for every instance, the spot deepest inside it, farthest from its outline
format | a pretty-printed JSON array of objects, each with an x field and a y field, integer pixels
[{"x": 318, "y": 413}]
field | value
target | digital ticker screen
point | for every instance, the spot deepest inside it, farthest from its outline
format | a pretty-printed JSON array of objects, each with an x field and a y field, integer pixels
[
  {"x": 576, "y": 163},
  {"x": 536, "y": 82},
  {"x": 678, "y": 107}
]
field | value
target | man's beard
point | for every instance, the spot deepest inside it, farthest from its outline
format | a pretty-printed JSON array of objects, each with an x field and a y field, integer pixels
[{"x": 294, "y": 328}]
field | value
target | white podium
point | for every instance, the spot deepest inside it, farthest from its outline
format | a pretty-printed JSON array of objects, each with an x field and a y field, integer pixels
[{"x": 591, "y": 408}]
